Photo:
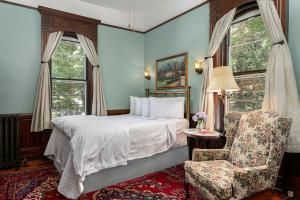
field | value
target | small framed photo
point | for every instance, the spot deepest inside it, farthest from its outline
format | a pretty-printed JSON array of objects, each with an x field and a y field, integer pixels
[{"x": 172, "y": 72}]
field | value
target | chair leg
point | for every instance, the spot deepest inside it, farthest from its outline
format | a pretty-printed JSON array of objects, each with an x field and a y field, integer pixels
[{"x": 186, "y": 186}]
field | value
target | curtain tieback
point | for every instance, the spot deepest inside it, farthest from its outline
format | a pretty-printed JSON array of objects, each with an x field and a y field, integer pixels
[
  {"x": 96, "y": 66},
  {"x": 280, "y": 42},
  {"x": 44, "y": 62},
  {"x": 207, "y": 57}
]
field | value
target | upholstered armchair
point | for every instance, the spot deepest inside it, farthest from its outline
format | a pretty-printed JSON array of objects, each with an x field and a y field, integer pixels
[{"x": 249, "y": 162}]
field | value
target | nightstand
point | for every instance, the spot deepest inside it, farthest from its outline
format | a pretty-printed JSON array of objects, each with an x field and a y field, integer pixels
[{"x": 204, "y": 140}]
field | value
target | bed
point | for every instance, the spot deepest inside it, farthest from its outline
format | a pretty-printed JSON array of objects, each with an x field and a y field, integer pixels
[{"x": 144, "y": 146}]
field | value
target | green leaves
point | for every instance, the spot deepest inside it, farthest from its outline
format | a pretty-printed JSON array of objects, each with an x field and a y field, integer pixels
[
  {"x": 68, "y": 96},
  {"x": 249, "y": 45},
  {"x": 68, "y": 61}
]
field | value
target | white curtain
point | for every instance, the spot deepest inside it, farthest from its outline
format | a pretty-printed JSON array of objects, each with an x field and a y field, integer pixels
[
  {"x": 98, "y": 106},
  {"x": 281, "y": 89},
  {"x": 41, "y": 118},
  {"x": 220, "y": 31}
]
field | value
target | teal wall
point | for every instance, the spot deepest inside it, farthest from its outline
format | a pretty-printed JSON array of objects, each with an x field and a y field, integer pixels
[
  {"x": 122, "y": 61},
  {"x": 121, "y": 58},
  {"x": 294, "y": 37},
  {"x": 189, "y": 33},
  {"x": 123, "y": 55},
  {"x": 20, "y": 49}
]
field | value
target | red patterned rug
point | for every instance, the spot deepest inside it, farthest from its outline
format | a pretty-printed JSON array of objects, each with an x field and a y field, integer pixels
[{"x": 42, "y": 183}]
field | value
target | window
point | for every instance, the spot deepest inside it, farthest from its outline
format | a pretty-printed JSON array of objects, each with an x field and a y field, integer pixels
[
  {"x": 68, "y": 76},
  {"x": 249, "y": 48}
]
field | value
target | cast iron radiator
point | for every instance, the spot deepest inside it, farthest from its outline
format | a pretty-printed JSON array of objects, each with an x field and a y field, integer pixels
[{"x": 9, "y": 141}]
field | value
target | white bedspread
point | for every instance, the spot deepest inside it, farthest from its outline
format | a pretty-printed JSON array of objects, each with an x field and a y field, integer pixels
[{"x": 98, "y": 143}]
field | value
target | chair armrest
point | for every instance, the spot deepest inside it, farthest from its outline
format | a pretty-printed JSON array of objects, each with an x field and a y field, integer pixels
[
  {"x": 249, "y": 180},
  {"x": 210, "y": 154}
]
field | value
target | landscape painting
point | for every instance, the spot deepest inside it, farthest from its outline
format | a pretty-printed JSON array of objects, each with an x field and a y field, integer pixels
[{"x": 172, "y": 72}]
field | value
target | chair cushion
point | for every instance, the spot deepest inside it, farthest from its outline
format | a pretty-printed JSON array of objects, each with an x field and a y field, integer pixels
[
  {"x": 216, "y": 176},
  {"x": 251, "y": 145}
]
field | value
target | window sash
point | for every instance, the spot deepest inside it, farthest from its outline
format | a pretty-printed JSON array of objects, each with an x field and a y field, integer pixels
[
  {"x": 66, "y": 80},
  {"x": 70, "y": 95},
  {"x": 245, "y": 77},
  {"x": 69, "y": 79}
]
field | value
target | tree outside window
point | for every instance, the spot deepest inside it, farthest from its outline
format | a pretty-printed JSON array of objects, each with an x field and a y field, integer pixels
[
  {"x": 249, "y": 49},
  {"x": 68, "y": 76}
]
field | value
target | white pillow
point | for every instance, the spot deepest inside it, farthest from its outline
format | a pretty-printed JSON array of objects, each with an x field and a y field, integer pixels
[
  {"x": 132, "y": 105},
  {"x": 138, "y": 106},
  {"x": 145, "y": 107},
  {"x": 170, "y": 107}
]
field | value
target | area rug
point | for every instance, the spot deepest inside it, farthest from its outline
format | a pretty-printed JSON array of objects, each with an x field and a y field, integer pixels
[{"x": 41, "y": 184}]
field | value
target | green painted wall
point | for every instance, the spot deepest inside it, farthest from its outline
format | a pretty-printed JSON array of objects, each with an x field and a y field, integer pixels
[
  {"x": 123, "y": 55},
  {"x": 294, "y": 39},
  {"x": 20, "y": 49},
  {"x": 189, "y": 33},
  {"x": 122, "y": 63},
  {"x": 121, "y": 58}
]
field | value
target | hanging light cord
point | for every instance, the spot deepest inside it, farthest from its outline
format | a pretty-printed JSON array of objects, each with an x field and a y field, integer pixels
[
  {"x": 133, "y": 23},
  {"x": 129, "y": 14}
]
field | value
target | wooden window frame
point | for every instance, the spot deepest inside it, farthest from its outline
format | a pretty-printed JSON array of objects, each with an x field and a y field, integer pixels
[
  {"x": 70, "y": 24},
  {"x": 218, "y": 8},
  {"x": 88, "y": 76}
]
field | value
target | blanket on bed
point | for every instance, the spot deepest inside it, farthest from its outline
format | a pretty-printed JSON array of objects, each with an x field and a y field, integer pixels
[{"x": 98, "y": 143}]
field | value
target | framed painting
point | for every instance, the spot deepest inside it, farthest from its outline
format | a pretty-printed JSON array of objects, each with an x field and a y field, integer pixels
[{"x": 172, "y": 72}]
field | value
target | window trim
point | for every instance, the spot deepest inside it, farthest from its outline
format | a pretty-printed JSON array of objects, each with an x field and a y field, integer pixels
[
  {"x": 88, "y": 78},
  {"x": 249, "y": 72},
  {"x": 54, "y": 20}
]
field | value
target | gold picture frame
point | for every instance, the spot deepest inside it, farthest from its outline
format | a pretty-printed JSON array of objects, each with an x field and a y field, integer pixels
[{"x": 172, "y": 71}]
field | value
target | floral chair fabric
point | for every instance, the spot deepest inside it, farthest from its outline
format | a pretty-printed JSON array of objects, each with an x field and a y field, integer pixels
[
  {"x": 250, "y": 161},
  {"x": 252, "y": 141}
]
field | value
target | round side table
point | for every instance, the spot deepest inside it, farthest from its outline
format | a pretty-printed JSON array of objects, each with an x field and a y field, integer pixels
[{"x": 203, "y": 140}]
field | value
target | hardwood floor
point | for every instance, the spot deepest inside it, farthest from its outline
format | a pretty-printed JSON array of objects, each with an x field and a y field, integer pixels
[
  {"x": 34, "y": 164},
  {"x": 265, "y": 195}
]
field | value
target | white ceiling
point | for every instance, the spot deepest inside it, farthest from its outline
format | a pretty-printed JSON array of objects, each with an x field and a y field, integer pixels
[
  {"x": 124, "y": 5},
  {"x": 148, "y": 13}
]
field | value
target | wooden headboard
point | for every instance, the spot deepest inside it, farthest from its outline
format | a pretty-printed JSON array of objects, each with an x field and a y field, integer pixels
[{"x": 183, "y": 91}]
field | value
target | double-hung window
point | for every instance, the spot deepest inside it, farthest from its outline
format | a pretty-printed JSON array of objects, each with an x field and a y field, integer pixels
[
  {"x": 249, "y": 48},
  {"x": 68, "y": 78}
]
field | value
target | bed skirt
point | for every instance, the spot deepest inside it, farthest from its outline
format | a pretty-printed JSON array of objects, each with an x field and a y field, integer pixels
[{"x": 133, "y": 169}]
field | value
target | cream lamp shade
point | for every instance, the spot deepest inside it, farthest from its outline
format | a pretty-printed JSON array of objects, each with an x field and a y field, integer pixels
[{"x": 223, "y": 80}]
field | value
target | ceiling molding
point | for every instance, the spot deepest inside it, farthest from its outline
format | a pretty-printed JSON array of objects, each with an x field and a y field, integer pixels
[
  {"x": 177, "y": 16},
  {"x": 18, "y": 4},
  {"x": 111, "y": 25},
  {"x": 119, "y": 27}
]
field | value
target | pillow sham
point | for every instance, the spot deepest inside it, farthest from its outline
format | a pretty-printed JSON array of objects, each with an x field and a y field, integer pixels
[
  {"x": 168, "y": 107},
  {"x": 132, "y": 105},
  {"x": 138, "y": 106},
  {"x": 145, "y": 107}
]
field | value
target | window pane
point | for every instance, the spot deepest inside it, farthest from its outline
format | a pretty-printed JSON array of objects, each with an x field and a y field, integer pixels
[
  {"x": 251, "y": 95},
  {"x": 68, "y": 61},
  {"x": 249, "y": 45},
  {"x": 249, "y": 50},
  {"x": 68, "y": 98}
]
